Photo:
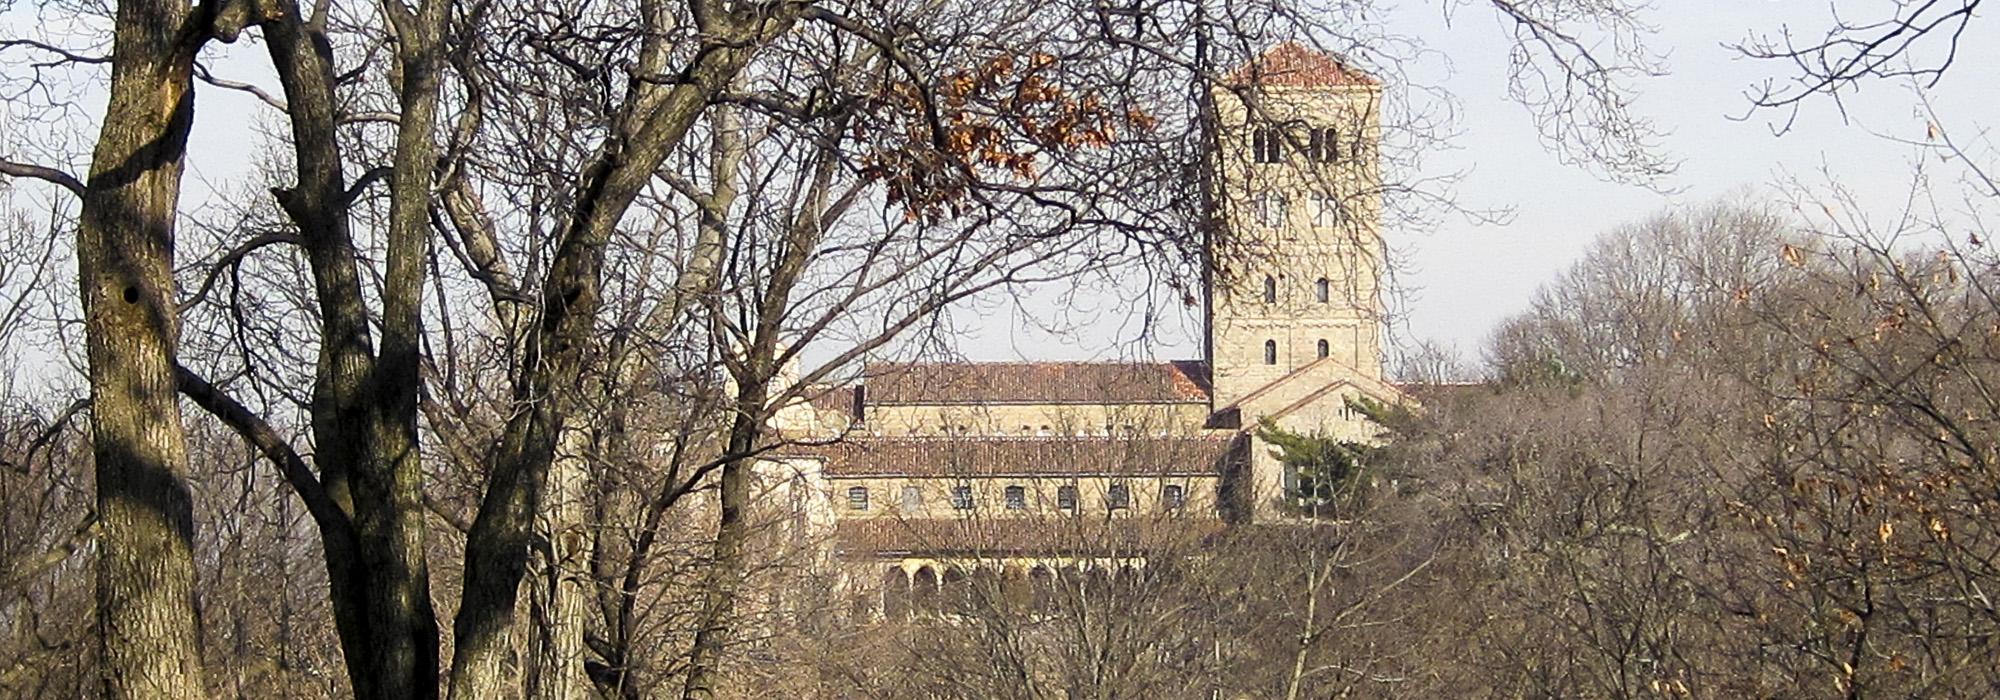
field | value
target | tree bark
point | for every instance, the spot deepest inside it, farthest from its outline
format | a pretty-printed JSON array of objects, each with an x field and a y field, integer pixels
[
  {"x": 388, "y": 480},
  {"x": 125, "y": 255},
  {"x": 363, "y": 407},
  {"x": 757, "y": 366},
  {"x": 559, "y": 673},
  {"x": 655, "y": 120},
  {"x": 725, "y": 569}
]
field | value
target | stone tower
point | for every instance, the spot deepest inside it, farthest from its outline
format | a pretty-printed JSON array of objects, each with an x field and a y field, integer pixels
[{"x": 1295, "y": 266}]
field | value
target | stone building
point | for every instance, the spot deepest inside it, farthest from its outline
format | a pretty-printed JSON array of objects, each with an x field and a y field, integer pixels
[{"x": 1025, "y": 471}]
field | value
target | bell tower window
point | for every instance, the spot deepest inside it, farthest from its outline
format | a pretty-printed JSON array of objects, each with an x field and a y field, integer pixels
[
  {"x": 1270, "y": 352},
  {"x": 1326, "y": 209},
  {"x": 1267, "y": 145},
  {"x": 1324, "y": 349},
  {"x": 1323, "y": 146},
  {"x": 1270, "y": 290},
  {"x": 1322, "y": 290},
  {"x": 1271, "y": 208}
]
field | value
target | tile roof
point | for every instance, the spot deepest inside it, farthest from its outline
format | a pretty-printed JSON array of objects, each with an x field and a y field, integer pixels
[
  {"x": 1036, "y": 536},
  {"x": 841, "y": 400},
  {"x": 1183, "y": 381},
  {"x": 1292, "y": 64},
  {"x": 977, "y": 456}
]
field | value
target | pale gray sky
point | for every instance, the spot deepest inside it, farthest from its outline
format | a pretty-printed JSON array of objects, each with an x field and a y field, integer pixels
[{"x": 1462, "y": 279}]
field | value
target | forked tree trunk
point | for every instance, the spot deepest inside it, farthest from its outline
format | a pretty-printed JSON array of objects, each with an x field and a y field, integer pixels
[
  {"x": 364, "y": 406},
  {"x": 496, "y": 548},
  {"x": 316, "y": 205},
  {"x": 125, "y": 256}
]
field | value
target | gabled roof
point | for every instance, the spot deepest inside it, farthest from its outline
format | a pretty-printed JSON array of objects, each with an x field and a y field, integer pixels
[
  {"x": 1292, "y": 64},
  {"x": 1374, "y": 388},
  {"x": 976, "y": 456},
  {"x": 1184, "y": 381}
]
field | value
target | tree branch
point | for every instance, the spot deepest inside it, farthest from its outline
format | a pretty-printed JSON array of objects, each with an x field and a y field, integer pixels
[
  {"x": 20, "y": 572},
  {"x": 262, "y": 436},
  {"x": 201, "y": 71},
  {"x": 232, "y": 257},
  {"x": 47, "y": 435},
  {"x": 50, "y": 175}
]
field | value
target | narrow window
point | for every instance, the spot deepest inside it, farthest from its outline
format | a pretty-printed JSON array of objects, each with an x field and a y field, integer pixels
[
  {"x": 1324, "y": 146},
  {"x": 1270, "y": 352},
  {"x": 1173, "y": 496},
  {"x": 1017, "y": 498},
  {"x": 1322, "y": 290},
  {"x": 1326, "y": 210},
  {"x": 857, "y": 498},
  {"x": 1118, "y": 497},
  {"x": 1271, "y": 208},
  {"x": 1270, "y": 290},
  {"x": 913, "y": 499},
  {"x": 1066, "y": 497},
  {"x": 1324, "y": 350},
  {"x": 1267, "y": 145},
  {"x": 961, "y": 497}
]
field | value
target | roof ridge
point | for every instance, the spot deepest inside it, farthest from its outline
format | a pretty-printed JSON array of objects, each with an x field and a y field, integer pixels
[
  {"x": 1268, "y": 386},
  {"x": 1365, "y": 384},
  {"x": 1293, "y": 63},
  {"x": 1309, "y": 398}
]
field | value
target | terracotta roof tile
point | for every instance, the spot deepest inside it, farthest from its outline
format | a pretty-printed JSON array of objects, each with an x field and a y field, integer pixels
[
  {"x": 1205, "y": 455},
  {"x": 1292, "y": 64},
  {"x": 839, "y": 400},
  {"x": 1183, "y": 381}
]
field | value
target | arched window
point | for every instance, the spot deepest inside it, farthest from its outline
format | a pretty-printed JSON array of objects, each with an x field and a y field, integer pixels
[
  {"x": 1324, "y": 145},
  {"x": 1323, "y": 349},
  {"x": 1270, "y": 352},
  {"x": 1271, "y": 209},
  {"x": 857, "y": 498},
  {"x": 1270, "y": 290},
  {"x": 1322, "y": 290},
  {"x": 1267, "y": 144},
  {"x": 1326, "y": 209}
]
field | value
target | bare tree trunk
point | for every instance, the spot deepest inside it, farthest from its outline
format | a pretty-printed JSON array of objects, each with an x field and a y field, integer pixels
[
  {"x": 364, "y": 405},
  {"x": 1295, "y": 681},
  {"x": 317, "y": 205},
  {"x": 725, "y": 569},
  {"x": 388, "y": 479},
  {"x": 559, "y": 657},
  {"x": 496, "y": 548},
  {"x": 753, "y": 373},
  {"x": 125, "y": 256}
]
